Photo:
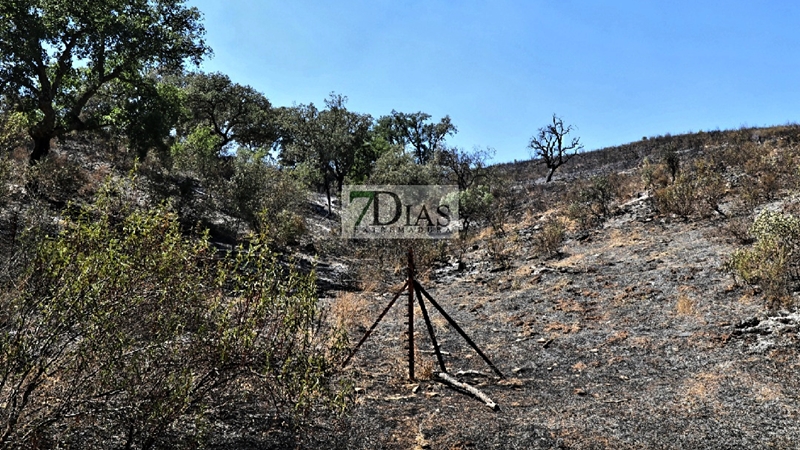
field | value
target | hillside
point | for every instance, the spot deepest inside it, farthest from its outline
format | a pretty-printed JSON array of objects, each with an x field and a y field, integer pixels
[
  {"x": 609, "y": 299},
  {"x": 630, "y": 335}
]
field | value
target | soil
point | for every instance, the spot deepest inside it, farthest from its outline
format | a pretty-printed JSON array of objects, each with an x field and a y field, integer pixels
[{"x": 632, "y": 337}]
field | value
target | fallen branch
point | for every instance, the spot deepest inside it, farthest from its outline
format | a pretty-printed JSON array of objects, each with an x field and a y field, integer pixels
[{"x": 465, "y": 387}]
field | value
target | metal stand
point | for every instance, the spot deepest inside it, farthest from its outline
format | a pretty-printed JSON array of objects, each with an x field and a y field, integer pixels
[{"x": 413, "y": 288}]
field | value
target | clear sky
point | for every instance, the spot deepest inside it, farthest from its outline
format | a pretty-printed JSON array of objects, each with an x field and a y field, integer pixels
[{"x": 615, "y": 70}]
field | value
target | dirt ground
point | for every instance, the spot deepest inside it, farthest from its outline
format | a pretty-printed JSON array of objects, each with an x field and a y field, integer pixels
[{"x": 632, "y": 337}]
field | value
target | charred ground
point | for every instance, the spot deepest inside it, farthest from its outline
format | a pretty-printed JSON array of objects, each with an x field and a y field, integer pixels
[{"x": 605, "y": 298}]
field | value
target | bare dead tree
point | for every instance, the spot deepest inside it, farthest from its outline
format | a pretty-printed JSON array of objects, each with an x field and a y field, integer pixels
[{"x": 553, "y": 146}]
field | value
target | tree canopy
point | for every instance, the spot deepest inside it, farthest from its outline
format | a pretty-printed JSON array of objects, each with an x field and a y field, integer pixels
[
  {"x": 331, "y": 140},
  {"x": 235, "y": 113},
  {"x": 415, "y": 130},
  {"x": 57, "y": 56}
]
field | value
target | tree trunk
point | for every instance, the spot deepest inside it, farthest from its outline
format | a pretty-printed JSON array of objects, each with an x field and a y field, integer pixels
[
  {"x": 41, "y": 147},
  {"x": 328, "y": 195},
  {"x": 550, "y": 175}
]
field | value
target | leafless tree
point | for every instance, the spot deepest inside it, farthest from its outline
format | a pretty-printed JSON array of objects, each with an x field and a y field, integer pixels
[{"x": 553, "y": 146}]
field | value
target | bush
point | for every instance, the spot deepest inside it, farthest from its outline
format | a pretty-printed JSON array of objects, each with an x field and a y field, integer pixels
[
  {"x": 672, "y": 162},
  {"x": 678, "y": 198},
  {"x": 773, "y": 258},
  {"x": 474, "y": 206},
  {"x": 711, "y": 186},
  {"x": 654, "y": 176},
  {"x": 265, "y": 198},
  {"x": 549, "y": 240},
  {"x": 13, "y": 132},
  {"x": 121, "y": 329},
  {"x": 6, "y": 178},
  {"x": 57, "y": 179}
]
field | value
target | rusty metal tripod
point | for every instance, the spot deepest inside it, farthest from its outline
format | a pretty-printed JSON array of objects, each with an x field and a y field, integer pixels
[{"x": 413, "y": 287}]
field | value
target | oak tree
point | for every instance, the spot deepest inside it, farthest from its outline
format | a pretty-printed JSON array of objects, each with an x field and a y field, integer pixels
[
  {"x": 235, "y": 114},
  {"x": 329, "y": 140},
  {"x": 415, "y": 130},
  {"x": 58, "y": 56}
]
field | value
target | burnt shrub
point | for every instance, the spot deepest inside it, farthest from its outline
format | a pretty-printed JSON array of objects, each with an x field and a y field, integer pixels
[{"x": 678, "y": 198}]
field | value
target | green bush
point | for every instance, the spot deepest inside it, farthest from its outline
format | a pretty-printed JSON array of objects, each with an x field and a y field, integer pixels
[
  {"x": 770, "y": 261},
  {"x": 395, "y": 166},
  {"x": 121, "y": 329},
  {"x": 265, "y": 198},
  {"x": 13, "y": 132},
  {"x": 474, "y": 206}
]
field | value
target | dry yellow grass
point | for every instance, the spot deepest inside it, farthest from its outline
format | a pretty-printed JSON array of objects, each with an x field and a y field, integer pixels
[
  {"x": 569, "y": 305},
  {"x": 617, "y": 337},
  {"x": 580, "y": 366},
  {"x": 748, "y": 298},
  {"x": 350, "y": 310},
  {"x": 561, "y": 284},
  {"x": 564, "y": 328},
  {"x": 569, "y": 261},
  {"x": 622, "y": 238},
  {"x": 702, "y": 388},
  {"x": 768, "y": 392},
  {"x": 686, "y": 305},
  {"x": 424, "y": 366}
]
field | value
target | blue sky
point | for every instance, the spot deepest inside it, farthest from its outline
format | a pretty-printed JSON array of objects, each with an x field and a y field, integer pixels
[{"x": 615, "y": 70}]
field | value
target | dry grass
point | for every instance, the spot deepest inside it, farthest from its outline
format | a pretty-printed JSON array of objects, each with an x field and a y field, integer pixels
[
  {"x": 563, "y": 328},
  {"x": 560, "y": 284},
  {"x": 550, "y": 237},
  {"x": 569, "y": 305},
  {"x": 619, "y": 336},
  {"x": 350, "y": 310},
  {"x": 579, "y": 366},
  {"x": 686, "y": 305},
  {"x": 702, "y": 388},
  {"x": 622, "y": 238},
  {"x": 424, "y": 366},
  {"x": 570, "y": 261}
]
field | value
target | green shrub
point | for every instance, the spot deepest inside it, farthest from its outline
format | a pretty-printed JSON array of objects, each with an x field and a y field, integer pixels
[
  {"x": 770, "y": 261},
  {"x": 13, "y": 132},
  {"x": 121, "y": 328},
  {"x": 265, "y": 198},
  {"x": 474, "y": 206},
  {"x": 198, "y": 153}
]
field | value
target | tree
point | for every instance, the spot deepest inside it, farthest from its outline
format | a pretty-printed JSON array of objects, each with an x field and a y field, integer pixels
[
  {"x": 57, "y": 56},
  {"x": 425, "y": 138},
  {"x": 465, "y": 168},
  {"x": 330, "y": 140},
  {"x": 552, "y": 145},
  {"x": 468, "y": 170},
  {"x": 235, "y": 113}
]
